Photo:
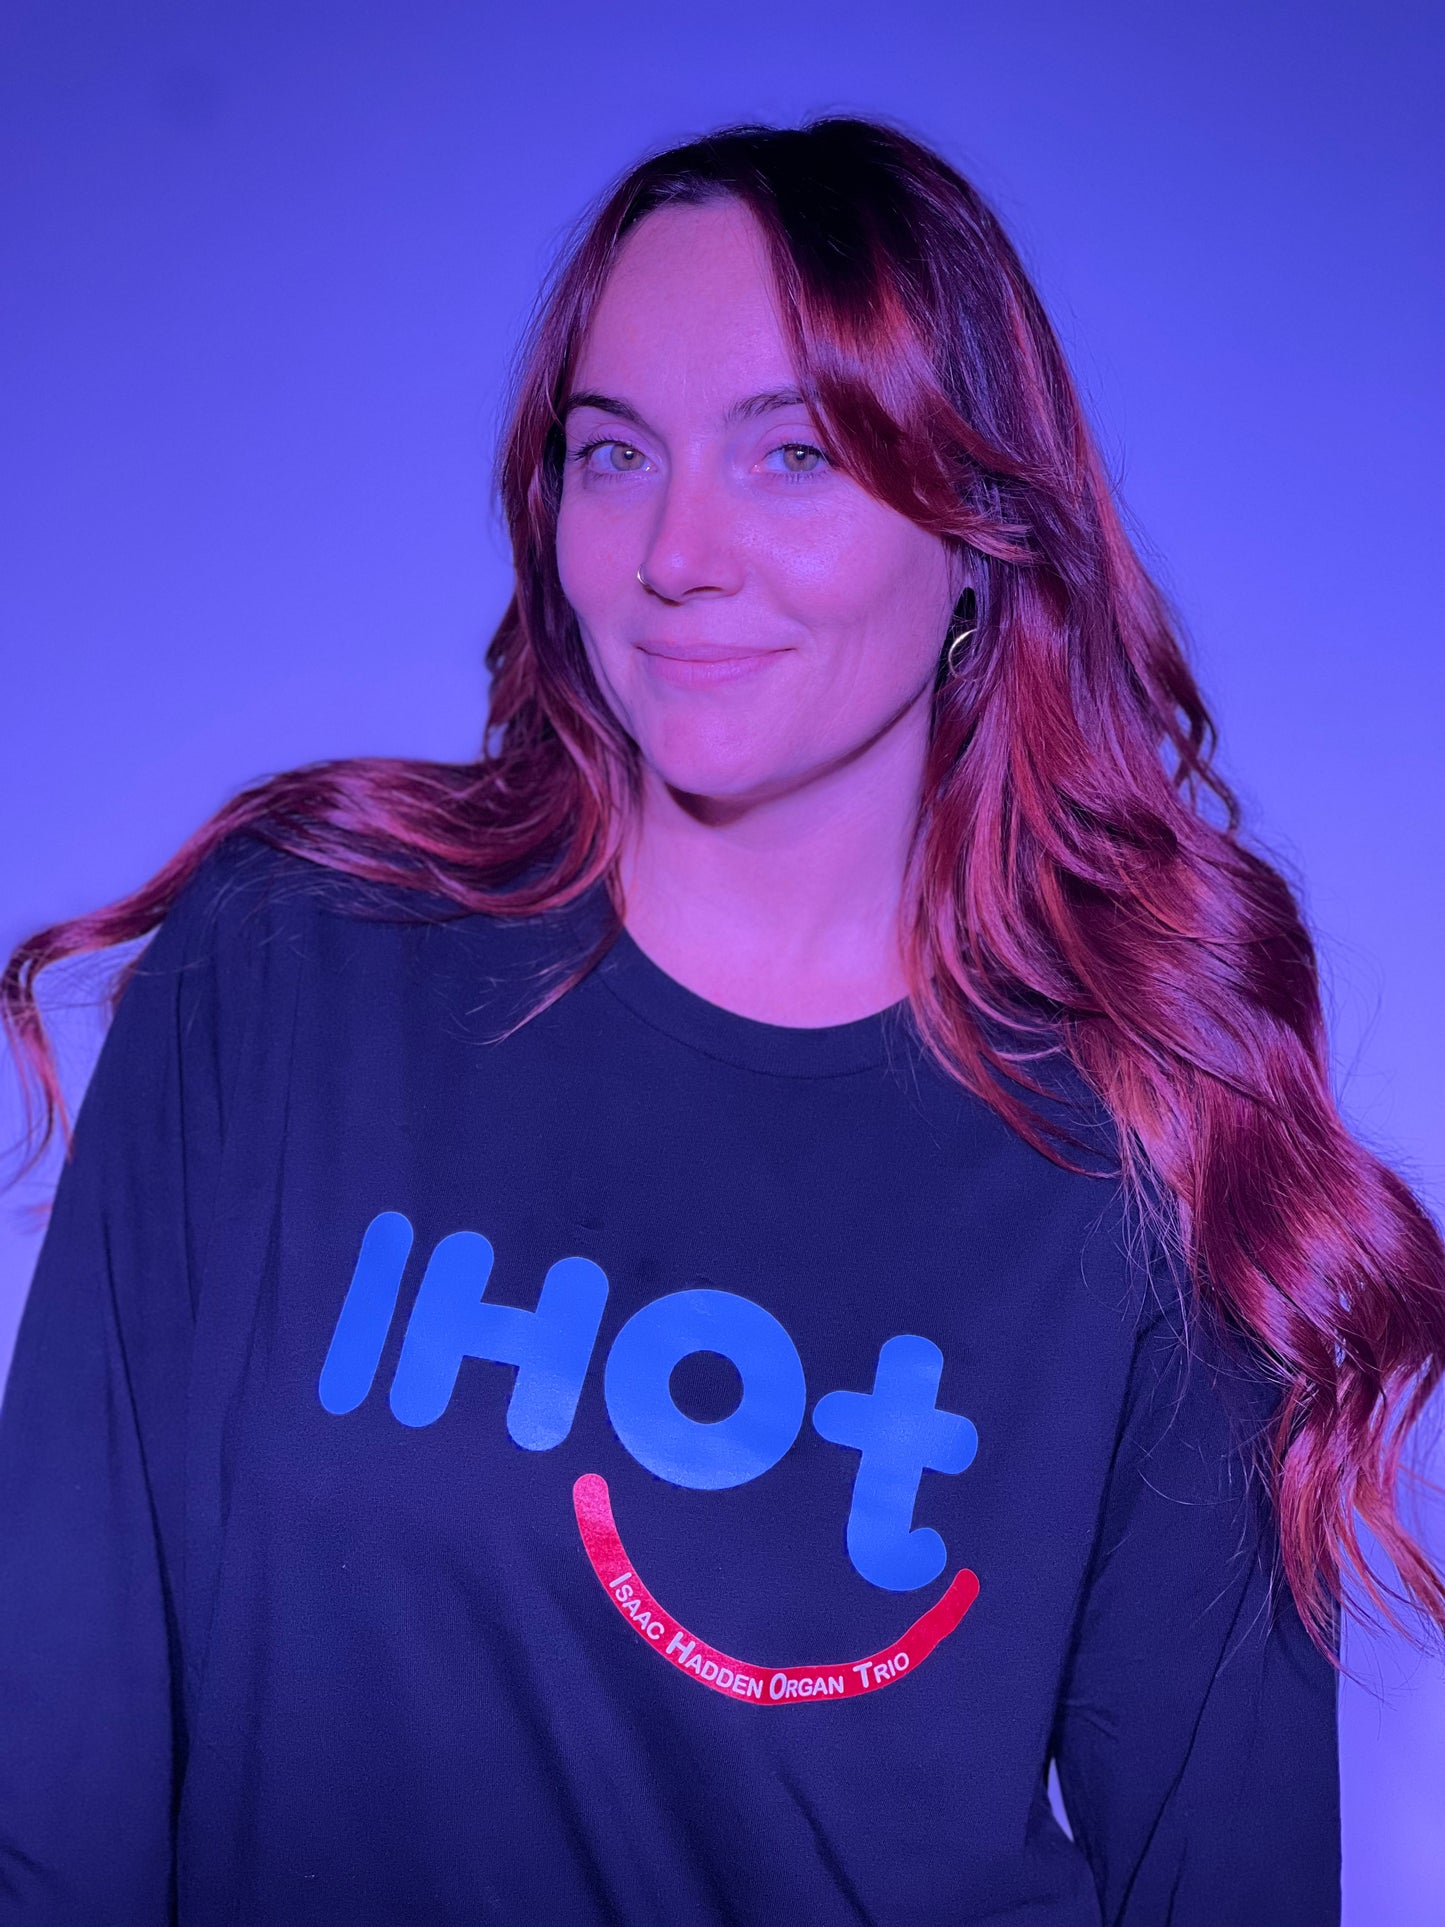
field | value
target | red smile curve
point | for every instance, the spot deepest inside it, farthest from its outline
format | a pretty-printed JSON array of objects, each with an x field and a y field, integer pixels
[{"x": 756, "y": 1685}]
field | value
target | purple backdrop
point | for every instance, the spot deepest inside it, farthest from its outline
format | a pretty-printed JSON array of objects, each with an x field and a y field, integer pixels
[{"x": 265, "y": 267}]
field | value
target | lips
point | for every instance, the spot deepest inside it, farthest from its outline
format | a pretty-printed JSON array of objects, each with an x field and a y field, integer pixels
[{"x": 701, "y": 665}]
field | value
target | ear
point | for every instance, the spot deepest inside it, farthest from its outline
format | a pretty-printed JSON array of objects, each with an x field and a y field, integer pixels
[{"x": 961, "y": 570}]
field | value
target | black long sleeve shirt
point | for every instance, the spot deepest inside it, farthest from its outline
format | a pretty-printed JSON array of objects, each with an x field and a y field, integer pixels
[{"x": 650, "y": 1467}]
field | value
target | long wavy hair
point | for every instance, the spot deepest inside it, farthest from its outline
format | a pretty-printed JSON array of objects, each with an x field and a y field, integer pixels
[{"x": 1077, "y": 863}]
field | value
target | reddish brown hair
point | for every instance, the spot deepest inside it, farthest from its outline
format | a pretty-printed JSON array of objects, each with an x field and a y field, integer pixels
[{"x": 1078, "y": 870}]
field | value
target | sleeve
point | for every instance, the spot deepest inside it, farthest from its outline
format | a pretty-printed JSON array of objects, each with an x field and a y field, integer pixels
[
  {"x": 92, "y": 1457},
  {"x": 1196, "y": 1739}
]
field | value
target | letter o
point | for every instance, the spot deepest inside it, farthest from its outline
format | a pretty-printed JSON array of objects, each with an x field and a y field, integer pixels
[{"x": 686, "y": 1451}]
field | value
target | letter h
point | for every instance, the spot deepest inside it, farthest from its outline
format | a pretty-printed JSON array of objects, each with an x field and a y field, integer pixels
[{"x": 550, "y": 1347}]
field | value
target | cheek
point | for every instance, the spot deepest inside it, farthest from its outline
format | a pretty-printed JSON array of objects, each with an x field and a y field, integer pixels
[
  {"x": 597, "y": 580},
  {"x": 880, "y": 599},
  {"x": 588, "y": 558}
]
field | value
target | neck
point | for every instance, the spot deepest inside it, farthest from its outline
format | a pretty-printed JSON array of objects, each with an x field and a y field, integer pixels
[{"x": 787, "y": 909}]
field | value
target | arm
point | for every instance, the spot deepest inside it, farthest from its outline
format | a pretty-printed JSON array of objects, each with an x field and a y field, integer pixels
[
  {"x": 1196, "y": 1738},
  {"x": 92, "y": 1457}
]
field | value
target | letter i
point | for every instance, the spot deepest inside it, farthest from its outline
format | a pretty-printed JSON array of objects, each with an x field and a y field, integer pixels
[{"x": 366, "y": 1313}]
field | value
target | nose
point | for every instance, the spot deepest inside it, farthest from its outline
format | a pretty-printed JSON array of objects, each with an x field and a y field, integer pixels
[{"x": 692, "y": 548}]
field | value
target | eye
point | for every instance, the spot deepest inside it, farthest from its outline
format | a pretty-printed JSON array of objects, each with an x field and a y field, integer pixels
[
  {"x": 630, "y": 465},
  {"x": 802, "y": 461}
]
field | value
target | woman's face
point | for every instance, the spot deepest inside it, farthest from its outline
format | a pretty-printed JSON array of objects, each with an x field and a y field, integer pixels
[{"x": 791, "y": 621}]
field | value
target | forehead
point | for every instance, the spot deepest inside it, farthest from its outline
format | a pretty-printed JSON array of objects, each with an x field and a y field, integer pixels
[{"x": 689, "y": 307}]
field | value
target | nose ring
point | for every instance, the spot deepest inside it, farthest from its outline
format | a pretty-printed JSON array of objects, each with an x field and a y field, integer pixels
[{"x": 643, "y": 581}]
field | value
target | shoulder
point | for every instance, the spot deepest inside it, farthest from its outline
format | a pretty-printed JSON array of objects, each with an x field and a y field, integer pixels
[
  {"x": 185, "y": 999},
  {"x": 246, "y": 894},
  {"x": 253, "y": 923},
  {"x": 243, "y": 905}
]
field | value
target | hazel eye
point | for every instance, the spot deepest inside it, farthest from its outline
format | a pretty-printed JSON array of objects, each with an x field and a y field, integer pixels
[
  {"x": 631, "y": 464},
  {"x": 632, "y": 457},
  {"x": 801, "y": 460}
]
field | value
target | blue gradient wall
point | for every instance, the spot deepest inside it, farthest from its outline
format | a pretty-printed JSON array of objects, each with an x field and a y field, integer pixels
[{"x": 266, "y": 263}]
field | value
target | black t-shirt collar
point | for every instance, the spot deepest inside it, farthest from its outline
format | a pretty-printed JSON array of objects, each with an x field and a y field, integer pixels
[{"x": 787, "y": 1050}]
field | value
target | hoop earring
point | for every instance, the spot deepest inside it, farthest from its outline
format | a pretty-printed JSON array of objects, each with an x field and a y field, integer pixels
[
  {"x": 955, "y": 643},
  {"x": 957, "y": 637}
]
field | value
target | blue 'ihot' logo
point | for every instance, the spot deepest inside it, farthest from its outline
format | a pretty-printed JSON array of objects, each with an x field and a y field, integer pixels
[{"x": 896, "y": 1428}]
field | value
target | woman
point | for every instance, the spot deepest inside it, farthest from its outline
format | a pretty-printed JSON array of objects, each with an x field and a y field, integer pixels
[{"x": 646, "y": 1329}]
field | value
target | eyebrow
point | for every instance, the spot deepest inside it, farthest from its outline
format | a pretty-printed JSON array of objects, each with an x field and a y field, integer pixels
[{"x": 746, "y": 410}]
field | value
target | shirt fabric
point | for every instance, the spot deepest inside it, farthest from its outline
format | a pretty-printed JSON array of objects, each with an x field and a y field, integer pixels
[{"x": 639, "y": 1465}]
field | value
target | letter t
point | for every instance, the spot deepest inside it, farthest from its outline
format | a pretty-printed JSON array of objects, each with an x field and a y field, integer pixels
[{"x": 901, "y": 1435}]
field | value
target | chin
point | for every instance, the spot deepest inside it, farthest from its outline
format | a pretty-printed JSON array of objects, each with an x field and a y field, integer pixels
[
  {"x": 717, "y": 783},
  {"x": 725, "y": 766}
]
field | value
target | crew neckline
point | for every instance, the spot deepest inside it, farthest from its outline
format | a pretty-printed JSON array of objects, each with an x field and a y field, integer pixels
[{"x": 787, "y": 1050}]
